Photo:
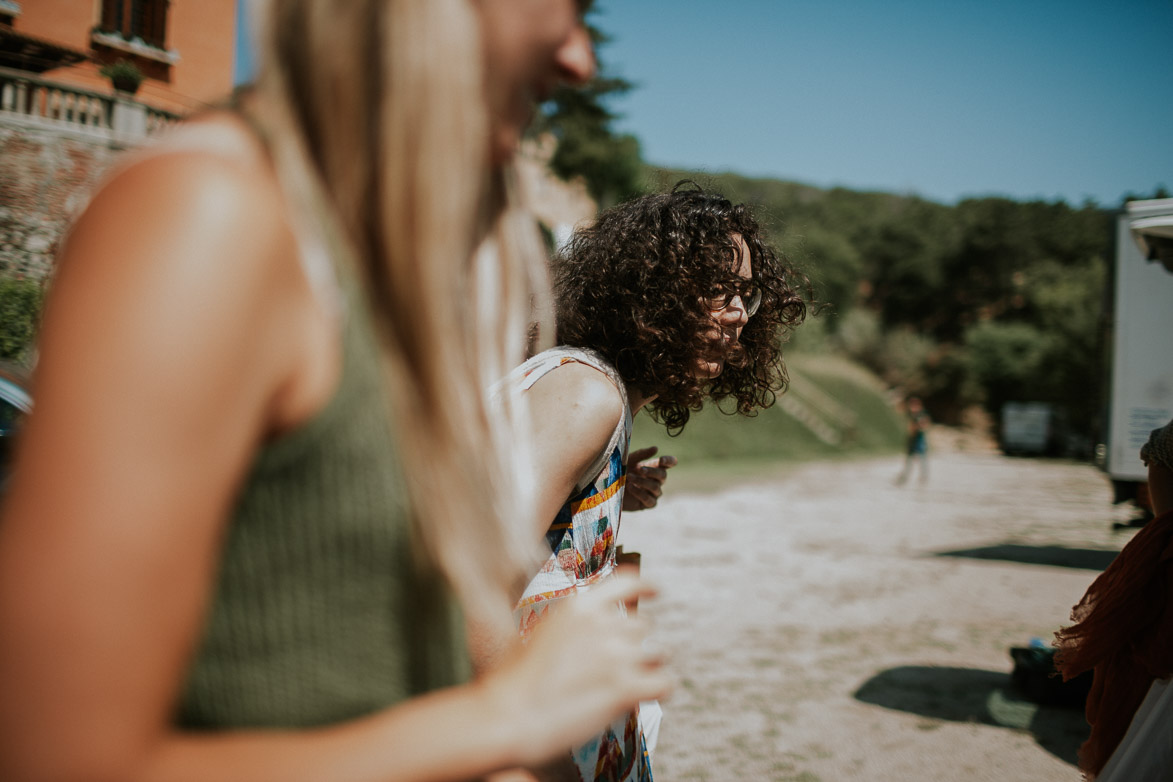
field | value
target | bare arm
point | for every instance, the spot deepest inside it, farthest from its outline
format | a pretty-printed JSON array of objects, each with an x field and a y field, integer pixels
[
  {"x": 569, "y": 416},
  {"x": 515, "y": 717},
  {"x": 154, "y": 387},
  {"x": 178, "y": 337}
]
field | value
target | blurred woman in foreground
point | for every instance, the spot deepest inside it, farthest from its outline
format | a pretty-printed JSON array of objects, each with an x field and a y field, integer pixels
[{"x": 256, "y": 481}]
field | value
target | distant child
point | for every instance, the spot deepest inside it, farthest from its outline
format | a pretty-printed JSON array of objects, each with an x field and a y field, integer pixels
[{"x": 918, "y": 441}]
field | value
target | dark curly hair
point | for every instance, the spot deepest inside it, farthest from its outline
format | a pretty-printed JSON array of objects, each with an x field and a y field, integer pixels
[{"x": 633, "y": 287}]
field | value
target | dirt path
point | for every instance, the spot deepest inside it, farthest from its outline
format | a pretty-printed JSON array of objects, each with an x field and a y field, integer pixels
[{"x": 829, "y": 625}]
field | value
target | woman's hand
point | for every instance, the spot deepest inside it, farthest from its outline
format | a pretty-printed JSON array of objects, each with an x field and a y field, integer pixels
[
  {"x": 645, "y": 478},
  {"x": 585, "y": 665}
]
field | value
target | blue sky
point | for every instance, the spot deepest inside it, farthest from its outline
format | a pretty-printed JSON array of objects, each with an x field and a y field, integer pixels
[{"x": 947, "y": 99}]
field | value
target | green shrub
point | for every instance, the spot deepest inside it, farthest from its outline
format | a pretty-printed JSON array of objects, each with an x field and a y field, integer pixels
[
  {"x": 20, "y": 315},
  {"x": 860, "y": 336},
  {"x": 123, "y": 74},
  {"x": 905, "y": 357},
  {"x": 1006, "y": 359}
]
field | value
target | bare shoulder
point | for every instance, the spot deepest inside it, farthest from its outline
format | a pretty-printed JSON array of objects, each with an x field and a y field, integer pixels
[
  {"x": 182, "y": 267},
  {"x": 580, "y": 402},
  {"x": 588, "y": 389},
  {"x": 191, "y": 203},
  {"x": 570, "y": 414},
  {"x": 185, "y": 223}
]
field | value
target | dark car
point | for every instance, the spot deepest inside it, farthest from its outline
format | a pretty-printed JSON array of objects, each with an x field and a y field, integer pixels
[{"x": 16, "y": 401}]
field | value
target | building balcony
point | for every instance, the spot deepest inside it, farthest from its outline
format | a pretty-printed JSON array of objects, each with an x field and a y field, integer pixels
[{"x": 31, "y": 101}]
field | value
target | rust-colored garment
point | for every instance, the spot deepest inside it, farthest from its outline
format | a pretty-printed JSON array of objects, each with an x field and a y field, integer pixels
[{"x": 1124, "y": 632}]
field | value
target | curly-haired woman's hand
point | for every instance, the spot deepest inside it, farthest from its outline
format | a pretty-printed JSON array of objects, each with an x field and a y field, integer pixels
[{"x": 645, "y": 478}]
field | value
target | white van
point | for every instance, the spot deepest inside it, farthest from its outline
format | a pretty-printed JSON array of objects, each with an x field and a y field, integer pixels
[{"x": 1140, "y": 396}]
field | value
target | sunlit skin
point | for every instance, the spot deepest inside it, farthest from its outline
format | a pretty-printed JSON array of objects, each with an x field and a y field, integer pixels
[
  {"x": 531, "y": 47},
  {"x": 727, "y": 323}
]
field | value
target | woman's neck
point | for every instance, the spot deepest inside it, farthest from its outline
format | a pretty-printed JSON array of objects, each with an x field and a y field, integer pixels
[{"x": 636, "y": 399}]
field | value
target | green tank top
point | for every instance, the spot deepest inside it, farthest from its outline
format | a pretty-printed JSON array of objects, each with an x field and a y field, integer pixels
[{"x": 320, "y": 613}]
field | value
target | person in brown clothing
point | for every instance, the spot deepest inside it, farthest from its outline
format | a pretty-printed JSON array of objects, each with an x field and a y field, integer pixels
[{"x": 1124, "y": 633}]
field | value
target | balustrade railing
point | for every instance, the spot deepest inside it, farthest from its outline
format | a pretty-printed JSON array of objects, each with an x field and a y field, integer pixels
[{"x": 47, "y": 103}]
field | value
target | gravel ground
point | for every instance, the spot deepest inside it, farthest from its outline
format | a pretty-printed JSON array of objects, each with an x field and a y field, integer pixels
[{"x": 825, "y": 624}]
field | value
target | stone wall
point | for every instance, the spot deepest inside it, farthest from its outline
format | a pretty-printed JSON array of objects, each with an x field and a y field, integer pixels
[
  {"x": 46, "y": 177},
  {"x": 56, "y": 142}
]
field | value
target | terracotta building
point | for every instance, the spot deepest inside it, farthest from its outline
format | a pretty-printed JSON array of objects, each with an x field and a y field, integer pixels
[
  {"x": 184, "y": 48},
  {"x": 62, "y": 123}
]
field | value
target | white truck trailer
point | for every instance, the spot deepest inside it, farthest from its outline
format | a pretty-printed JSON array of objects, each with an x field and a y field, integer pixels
[{"x": 1140, "y": 396}]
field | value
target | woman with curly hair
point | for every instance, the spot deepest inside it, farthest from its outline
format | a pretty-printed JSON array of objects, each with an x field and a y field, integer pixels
[{"x": 665, "y": 302}]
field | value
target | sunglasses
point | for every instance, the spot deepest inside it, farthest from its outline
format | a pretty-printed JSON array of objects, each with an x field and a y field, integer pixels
[{"x": 747, "y": 290}]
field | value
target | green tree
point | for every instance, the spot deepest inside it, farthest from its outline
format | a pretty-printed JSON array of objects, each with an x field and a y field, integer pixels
[
  {"x": 588, "y": 146},
  {"x": 1160, "y": 191},
  {"x": 833, "y": 264},
  {"x": 1068, "y": 305},
  {"x": 1005, "y": 359}
]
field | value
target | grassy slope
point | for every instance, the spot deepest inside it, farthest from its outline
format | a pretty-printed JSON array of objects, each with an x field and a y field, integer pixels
[{"x": 715, "y": 447}]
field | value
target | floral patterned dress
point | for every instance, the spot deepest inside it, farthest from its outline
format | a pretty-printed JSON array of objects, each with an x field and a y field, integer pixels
[{"x": 582, "y": 553}]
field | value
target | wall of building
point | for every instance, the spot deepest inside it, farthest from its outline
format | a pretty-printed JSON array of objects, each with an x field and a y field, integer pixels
[
  {"x": 204, "y": 34},
  {"x": 201, "y": 32}
]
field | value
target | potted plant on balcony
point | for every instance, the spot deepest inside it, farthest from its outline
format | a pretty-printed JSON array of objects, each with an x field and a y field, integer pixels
[{"x": 124, "y": 75}]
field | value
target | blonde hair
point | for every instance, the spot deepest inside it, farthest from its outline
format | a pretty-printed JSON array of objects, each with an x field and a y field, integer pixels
[{"x": 380, "y": 105}]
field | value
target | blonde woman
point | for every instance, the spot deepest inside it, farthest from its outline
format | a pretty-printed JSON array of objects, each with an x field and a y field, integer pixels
[{"x": 256, "y": 483}]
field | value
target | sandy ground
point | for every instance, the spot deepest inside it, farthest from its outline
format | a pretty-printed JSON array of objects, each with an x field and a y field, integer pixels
[{"x": 827, "y": 625}]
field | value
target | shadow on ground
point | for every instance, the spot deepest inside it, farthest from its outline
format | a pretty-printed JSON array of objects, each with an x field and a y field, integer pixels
[
  {"x": 973, "y": 695},
  {"x": 1055, "y": 556}
]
